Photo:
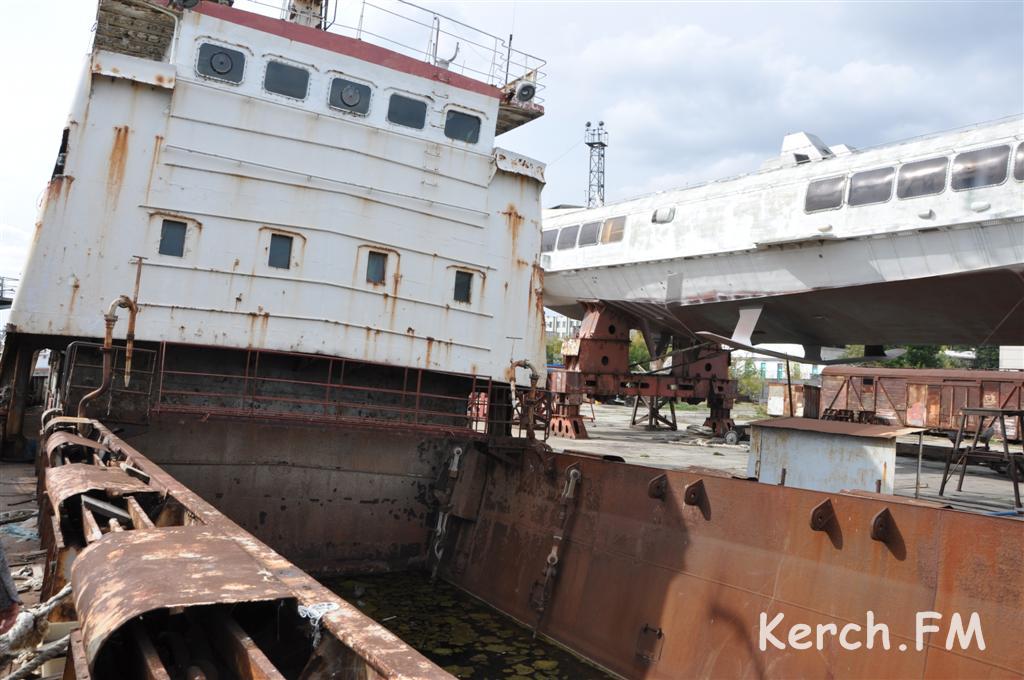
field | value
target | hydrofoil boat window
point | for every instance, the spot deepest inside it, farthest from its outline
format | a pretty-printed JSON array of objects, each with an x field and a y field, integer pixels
[
  {"x": 1018, "y": 163},
  {"x": 221, "y": 63},
  {"x": 589, "y": 234},
  {"x": 350, "y": 96},
  {"x": 172, "y": 238},
  {"x": 825, "y": 194},
  {"x": 280, "y": 251},
  {"x": 873, "y": 186},
  {"x": 567, "y": 237},
  {"x": 922, "y": 178},
  {"x": 287, "y": 80},
  {"x": 663, "y": 215},
  {"x": 407, "y": 112},
  {"x": 462, "y": 127},
  {"x": 548, "y": 240},
  {"x": 614, "y": 230},
  {"x": 981, "y": 168}
]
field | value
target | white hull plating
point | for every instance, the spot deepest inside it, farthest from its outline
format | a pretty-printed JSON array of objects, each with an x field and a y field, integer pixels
[
  {"x": 932, "y": 269},
  {"x": 152, "y": 141}
]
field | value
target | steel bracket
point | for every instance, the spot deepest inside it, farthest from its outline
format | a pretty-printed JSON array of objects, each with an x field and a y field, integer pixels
[
  {"x": 658, "y": 487},
  {"x": 823, "y": 516}
]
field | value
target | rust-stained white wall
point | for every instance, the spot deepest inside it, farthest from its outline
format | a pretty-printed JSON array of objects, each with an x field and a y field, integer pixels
[
  {"x": 150, "y": 141},
  {"x": 821, "y": 461}
]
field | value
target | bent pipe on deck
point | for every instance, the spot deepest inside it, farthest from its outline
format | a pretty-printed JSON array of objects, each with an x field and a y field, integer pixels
[{"x": 109, "y": 319}]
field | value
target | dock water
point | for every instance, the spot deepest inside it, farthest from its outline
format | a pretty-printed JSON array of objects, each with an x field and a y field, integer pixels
[{"x": 459, "y": 632}]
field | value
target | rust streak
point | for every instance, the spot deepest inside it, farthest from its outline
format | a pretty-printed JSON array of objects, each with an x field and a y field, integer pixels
[{"x": 116, "y": 164}]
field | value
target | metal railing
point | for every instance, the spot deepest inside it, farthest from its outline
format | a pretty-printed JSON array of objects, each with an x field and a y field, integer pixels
[
  {"x": 425, "y": 35},
  {"x": 331, "y": 390}
]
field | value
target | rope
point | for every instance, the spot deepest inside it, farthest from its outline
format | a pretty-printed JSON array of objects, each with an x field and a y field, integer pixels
[
  {"x": 30, "y": 625},
  {"x": 42, "y": 655}
]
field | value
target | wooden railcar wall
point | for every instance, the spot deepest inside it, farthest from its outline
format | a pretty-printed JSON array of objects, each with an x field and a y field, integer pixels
[{"x": 926, "y": 401}]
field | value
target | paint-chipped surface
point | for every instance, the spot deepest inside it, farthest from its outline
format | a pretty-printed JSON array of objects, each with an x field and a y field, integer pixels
[
  {"x": 70, "y": 480},
  {"x": 159, "y": 569}
]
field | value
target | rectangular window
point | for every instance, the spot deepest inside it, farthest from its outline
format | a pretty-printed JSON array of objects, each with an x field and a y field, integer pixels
[
  {"x": 1018, "y": 163},
  {"x": 463, "y": 286},
  {"x": 589, "y": 233},
  {"x": 172, "y": 238},
  {"x": 825, "y": 194},
  {"x": 280, "y": 251},
  {"x": 462, "y": 127},
  {"x": 349, "y": 96},
  {"x": 376, "y": 267},
  {"x": 285, "y": 79},
  {"x": 408, "y": 112},
  {"x": 548, "y": 240},
  {"x": 220, "y": 62},
  {"x": 922, "y": 178},
  {"x": 981, "y": 168},
  {"x": 873, "y": 186},
  {"x": 567, "y": 237},
  {"x": 614, "y": 230}
]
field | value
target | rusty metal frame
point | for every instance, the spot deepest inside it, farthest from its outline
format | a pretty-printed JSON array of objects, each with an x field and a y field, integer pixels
[
  {"x": 410, "y": 411},
  {"x": 119, "y": 570}
]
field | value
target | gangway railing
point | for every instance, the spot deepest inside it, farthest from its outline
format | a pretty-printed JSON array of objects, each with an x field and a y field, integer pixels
[{"x": 423, "y": 34}]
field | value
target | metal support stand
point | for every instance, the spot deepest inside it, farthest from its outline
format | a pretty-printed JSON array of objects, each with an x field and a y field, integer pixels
[
  {"x": 653, "y": 417},
  {"x": 979, "y": 448}
]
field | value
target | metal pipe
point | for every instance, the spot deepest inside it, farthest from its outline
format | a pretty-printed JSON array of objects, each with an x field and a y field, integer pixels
[
  {"x": 109, "y": 319},
  {"x": 531, "y": 400}
]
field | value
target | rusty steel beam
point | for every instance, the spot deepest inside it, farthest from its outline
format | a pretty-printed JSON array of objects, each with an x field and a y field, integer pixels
[
  {"x": 247, "y": 660},
  {"x": 150, "y": 665}
]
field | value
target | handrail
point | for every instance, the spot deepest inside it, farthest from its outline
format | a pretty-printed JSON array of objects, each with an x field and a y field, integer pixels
[{"x": 418, "y": 32}]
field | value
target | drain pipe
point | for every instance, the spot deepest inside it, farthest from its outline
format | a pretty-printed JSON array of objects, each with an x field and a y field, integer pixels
[{"x": 109, "y": 319}]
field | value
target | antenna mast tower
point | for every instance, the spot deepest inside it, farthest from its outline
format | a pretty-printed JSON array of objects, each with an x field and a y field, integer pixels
[{"x": 597, "y": 139}]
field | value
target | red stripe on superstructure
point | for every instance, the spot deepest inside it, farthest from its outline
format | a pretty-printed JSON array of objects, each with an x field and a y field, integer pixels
[{"x": 344, "y": 45}]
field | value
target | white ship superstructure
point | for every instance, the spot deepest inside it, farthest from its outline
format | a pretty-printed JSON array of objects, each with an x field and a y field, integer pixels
[
  {"x": 330, "y": 274},
  {"x": 833, "y": 245},
  {"x": 290, "y": 189}
]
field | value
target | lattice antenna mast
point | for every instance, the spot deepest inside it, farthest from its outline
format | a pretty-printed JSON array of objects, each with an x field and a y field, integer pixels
[{"x": 597, "y": 139}]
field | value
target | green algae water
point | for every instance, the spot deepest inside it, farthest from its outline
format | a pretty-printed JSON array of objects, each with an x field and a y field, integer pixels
[{"x": 458, "y": 632}]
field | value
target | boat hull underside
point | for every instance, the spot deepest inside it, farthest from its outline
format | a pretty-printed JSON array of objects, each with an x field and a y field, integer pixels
[{"x": 977, "y": 308}]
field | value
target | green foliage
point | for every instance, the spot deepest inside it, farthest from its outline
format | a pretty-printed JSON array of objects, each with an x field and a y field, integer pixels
[
  {"x": 638, "y": 353},
  {"x": 748, "y": 379},
  {"x": 921, "y": 356},
  {"x": 554, "y": 350},
  {"x": 987, "y": 357}
]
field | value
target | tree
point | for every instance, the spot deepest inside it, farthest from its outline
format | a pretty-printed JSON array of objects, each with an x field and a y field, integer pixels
[
  {"x": 986, "y": 357},
  {"x": 749, "y": 382},
  {"x": 554, "y": 351},
  {"x": 638, "y": 352}
]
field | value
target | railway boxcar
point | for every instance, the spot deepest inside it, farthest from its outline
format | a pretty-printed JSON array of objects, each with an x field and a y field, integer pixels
[{"x": 916, "y": 397}]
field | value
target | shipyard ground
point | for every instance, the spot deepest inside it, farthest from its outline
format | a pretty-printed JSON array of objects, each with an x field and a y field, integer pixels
[{"x": 610, "y": 434}]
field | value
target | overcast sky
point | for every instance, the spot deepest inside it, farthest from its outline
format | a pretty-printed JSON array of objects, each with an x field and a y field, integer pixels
[{"x": 688, "y": 91}]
